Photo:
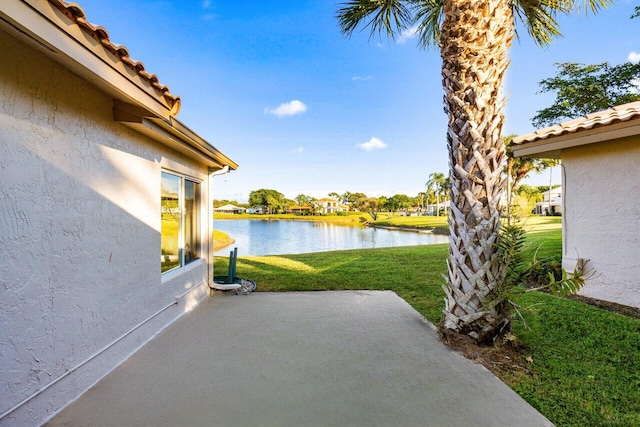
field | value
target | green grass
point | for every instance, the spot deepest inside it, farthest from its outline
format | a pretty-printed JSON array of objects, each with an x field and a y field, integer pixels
[
  {"x": 586, "y": 361},
  {"x": 414, "y": 273}
]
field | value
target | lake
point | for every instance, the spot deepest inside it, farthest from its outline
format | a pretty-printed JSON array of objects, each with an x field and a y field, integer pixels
[{"x": 278, "y": 237}]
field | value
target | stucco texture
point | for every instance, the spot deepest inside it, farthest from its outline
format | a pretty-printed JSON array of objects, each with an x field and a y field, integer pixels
[
  {"x": 602, "y": 216},
  {"x": 80, "y": 240}
]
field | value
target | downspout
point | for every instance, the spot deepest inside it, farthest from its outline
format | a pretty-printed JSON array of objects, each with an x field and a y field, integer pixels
[{"x": 212, "y": 173}]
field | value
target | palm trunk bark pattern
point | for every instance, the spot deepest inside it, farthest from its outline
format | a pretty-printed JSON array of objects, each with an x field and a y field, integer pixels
[{"x": 476, "y": 36}]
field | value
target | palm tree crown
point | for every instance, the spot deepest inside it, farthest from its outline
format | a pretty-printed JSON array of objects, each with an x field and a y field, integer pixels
[{"x": 392, "y": 17}]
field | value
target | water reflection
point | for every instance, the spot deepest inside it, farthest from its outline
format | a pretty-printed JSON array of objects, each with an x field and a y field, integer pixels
[{"x": 257, "y": 237}]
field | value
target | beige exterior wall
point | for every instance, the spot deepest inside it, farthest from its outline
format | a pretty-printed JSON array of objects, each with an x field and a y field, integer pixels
[
  {"x": 601, "y": 221},
  {"x": 80, "y": 281}
]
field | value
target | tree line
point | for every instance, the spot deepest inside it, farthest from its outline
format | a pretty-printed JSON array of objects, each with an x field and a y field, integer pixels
[{"x": 430, "y": 202}]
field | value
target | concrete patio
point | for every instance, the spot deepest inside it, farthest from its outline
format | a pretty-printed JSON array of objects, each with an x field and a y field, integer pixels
[{"x": 350, "y": 358}]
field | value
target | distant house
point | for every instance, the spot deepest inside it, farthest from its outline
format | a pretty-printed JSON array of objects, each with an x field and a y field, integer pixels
[
  {"x": 551, "y": 203},
  {"x": 435, "y": 209},
  {"x": 600, "y": 155},
  {"x": 329, "y": 206},
  {"x": 229, "y": 208},
  {"x": 300, "y": 210},
  {"x": 105, "y": 200}
]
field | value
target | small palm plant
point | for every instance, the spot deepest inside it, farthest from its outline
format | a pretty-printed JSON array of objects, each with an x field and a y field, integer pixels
[{"x": 517, "y": 270}]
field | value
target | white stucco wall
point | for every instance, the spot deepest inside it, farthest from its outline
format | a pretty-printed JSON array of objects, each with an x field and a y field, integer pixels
[
  {"x": 601, "y": 221},
  {"x": 80, "y": 237}
]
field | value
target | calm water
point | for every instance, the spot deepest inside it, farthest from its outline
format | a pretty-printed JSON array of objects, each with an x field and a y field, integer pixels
[{"x": 257, "y": 237}]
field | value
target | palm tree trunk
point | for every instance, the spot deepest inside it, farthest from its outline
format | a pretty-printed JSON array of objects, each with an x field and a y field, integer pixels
[{"x": 475, "y": 39}]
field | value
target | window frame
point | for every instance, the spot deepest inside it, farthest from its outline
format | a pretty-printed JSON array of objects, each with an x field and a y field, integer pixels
[{"x": 195, "y": 219}]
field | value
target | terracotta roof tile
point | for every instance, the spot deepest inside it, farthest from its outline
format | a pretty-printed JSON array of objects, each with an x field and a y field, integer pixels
[
  {"x": 75, "y": 13},
  {"x": 620, "y": 113}
]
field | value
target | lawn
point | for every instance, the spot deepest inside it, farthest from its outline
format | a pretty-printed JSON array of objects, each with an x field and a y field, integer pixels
[{"x": 584, "y": 364}]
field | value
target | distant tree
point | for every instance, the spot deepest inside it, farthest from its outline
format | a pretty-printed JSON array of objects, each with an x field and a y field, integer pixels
[
  {"x": 421, "y": 199},
  {"x": 345, "y": 198},
  {"x": 398, "y": 202},
  {"x": 304, "y": 200},
  {"x": 222, "y": 202},
  {"x": 373, "y": 206},
  {"x": 272, "y": 200},
  {"x": 437, "y": 183},
  {"x": 584, "y": 89},
  {"x": 356, "y": 200},
  {"x": 518, "y": 168},
  {"x": 637, "y": 13},
  {"x": 334, "y": 196},
  {"x": 530, "y": 192}
]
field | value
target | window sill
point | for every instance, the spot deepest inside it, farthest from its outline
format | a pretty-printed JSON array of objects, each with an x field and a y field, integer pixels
[{"x": 171, "y": 274}]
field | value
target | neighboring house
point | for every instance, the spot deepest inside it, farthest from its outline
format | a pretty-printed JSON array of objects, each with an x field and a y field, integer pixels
[
  {"x": 105, "y": 201},
  {"x": 600, "y": 155},
  {"x": 300, "y": 210},
  {"x": 329, "y": 206},
  {"x": 551, "y": 203},
  {"x": 257, "y": 210},
  {"x": 435, "y": 209},
  {"x": 229, "y": 209}
]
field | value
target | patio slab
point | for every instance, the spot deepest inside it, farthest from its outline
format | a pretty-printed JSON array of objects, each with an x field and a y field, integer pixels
[{"x": 341, "y": 358}]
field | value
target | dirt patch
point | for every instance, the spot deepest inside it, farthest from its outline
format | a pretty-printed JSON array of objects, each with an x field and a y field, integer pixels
[{"x": 505, "y": 359}]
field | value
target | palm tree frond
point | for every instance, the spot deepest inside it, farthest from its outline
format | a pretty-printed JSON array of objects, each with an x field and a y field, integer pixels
[
  {"x": 380, "y": 16},
  {"x": 595, "y": 5},
  {"x": 539, "y": 18},
  {"x": 429, "y": 14}
]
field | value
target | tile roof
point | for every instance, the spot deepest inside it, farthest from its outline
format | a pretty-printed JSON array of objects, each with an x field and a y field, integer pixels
[
  {"x": 75, "y": 13},
  {"x": 620, "y": 113}
]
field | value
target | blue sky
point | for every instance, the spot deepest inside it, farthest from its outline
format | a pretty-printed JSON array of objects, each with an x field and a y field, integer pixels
[{"x": 302, "y": 109}]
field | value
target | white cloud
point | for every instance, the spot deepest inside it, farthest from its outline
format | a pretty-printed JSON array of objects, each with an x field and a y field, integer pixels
[
  {"x": 355, "y": 78},
  {"x": 634, "y": 57},
  {"x": 408, "y": 34},
  {"x": 373, "y": 144},
  {"x": 298, "y": 150},
  {"x": 287, "y": 109}
]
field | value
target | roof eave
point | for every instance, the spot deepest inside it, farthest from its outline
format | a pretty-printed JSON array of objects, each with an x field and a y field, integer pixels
[
  {"x": 551, "y": 146},
  {"x": 44, "y": 26}
]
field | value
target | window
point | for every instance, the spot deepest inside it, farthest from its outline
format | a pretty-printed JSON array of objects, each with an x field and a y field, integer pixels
[{"x": 180, "y": 201}]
